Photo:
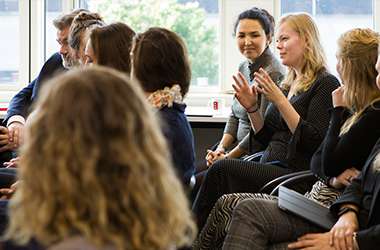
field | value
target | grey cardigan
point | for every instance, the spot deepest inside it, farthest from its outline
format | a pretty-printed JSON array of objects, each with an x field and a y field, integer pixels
[{"x": 238, "y": 124}]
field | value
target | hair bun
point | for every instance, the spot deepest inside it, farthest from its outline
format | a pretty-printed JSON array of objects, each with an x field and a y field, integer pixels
[{"x": 86, "y": 16}]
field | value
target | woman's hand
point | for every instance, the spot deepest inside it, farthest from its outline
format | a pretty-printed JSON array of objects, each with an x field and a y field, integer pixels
[
  {"x": 16, "y": 134},
  {"x": 313, "y": 242},
  {"x": 341, "y": 235},
  {"x": 213, "y": 156},
  {"x": 266, "y": 86},
  {"x": 245, "y": 94},
  {"x": 5, "y": 145},
  {"x": 13, "y": 163},
  {"x": 345, "y": 178},
  {"x": 6, "y": 193},
  {"x": 337, "y": 97}
]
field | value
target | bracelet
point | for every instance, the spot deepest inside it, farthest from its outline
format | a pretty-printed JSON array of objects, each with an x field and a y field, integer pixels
[
  {"x": 355, "y": 241},
  {"x": 344, "y": 210},
  {"x": 250, "y": 111}
]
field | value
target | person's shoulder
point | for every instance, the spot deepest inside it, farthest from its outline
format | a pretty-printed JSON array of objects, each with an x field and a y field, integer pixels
[
  {"x": 54, "y": 63},
  {"x": 272, "y": 65},
  {"x": 374, "y": 107},
  {"x": 243, "y": 65},
  {"x": 55, "y": 58},
  {"x": 326, "y": 78}
]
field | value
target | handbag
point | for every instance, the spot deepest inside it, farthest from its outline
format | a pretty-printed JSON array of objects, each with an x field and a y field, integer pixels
[{"x": 323, "y": 194}]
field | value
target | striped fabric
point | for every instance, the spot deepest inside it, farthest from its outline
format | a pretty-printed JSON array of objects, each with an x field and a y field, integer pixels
[
  {"x": 219, "y": 220},
  {"x": 323, "y": 194}
]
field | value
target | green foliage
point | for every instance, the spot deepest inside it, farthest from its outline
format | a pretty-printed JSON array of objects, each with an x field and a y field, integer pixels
[{"x": 186, "y": 19}]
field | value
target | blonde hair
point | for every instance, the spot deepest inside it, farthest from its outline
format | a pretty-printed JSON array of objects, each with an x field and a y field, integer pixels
[
  {"x": 314, "y": 57},
  {"x": 94, "y": 165},
  {"x": 357, "y": 55}
]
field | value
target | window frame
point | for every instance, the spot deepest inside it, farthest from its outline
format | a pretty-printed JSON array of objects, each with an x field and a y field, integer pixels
[{"x": 32, "y": 16}]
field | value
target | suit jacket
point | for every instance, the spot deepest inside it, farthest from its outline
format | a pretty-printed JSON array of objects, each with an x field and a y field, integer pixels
[
  {"x": 22, "y": 101},
  {"x": 369, "y": 235}
]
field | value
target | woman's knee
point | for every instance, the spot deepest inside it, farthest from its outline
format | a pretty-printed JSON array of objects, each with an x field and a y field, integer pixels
[{"x": 256, "y": 210}]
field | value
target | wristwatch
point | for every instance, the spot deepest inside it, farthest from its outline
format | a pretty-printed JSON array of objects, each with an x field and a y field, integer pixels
[{"x": 344, "y": 210}]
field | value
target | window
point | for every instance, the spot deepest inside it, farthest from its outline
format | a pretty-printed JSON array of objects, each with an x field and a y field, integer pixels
[
  {"x": 53, "y": 9},
  {"x": 28, "y": 36},
  {"x": 195, "y": 21},
  {"x": 9, "y": 42},
  {"x": 333, "y": 18}
]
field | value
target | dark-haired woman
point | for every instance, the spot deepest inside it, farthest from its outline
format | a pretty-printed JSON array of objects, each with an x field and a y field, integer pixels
[
  {"x": 110, "y": 46},
  {"x": 253, "y": 30},
  {"x": 161, "y": 65}
]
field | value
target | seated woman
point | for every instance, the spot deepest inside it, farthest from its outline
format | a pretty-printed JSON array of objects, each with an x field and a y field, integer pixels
[
  {"x": 294, "y": 124},
  {"x": 110, "y": 46},
  {"x": 352, "y": 133},
  {"x": 254, "y": 33},
  {"x": 260, "y": 224},
  {"x": 160, "y": 64},
  {"x": 82, "y": 24},
  {"x": 131, "y": 200}
]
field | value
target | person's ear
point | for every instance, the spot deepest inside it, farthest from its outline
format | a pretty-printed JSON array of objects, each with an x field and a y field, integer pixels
[{"x": 269, "y": 40}]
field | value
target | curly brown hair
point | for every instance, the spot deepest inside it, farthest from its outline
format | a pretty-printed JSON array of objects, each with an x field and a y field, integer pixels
[{"x": 96, "y": 165}]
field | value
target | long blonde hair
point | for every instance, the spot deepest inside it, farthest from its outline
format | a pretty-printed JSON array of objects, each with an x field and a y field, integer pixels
[
  {"x": 357, "y": 55},
  {"x": 314, "y": 57},
  {"x": 94, "y": 165}
]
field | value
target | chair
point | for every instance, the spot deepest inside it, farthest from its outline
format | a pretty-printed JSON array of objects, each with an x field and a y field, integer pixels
[{"x": 300, "y": 181}]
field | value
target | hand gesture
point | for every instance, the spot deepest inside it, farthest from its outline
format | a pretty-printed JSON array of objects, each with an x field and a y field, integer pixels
[
  {"x": 345, "y": 178},
  {"x": 313, "y": 242},
  {"x": 6, "y": 193},
  {"x": 266, "y": 86},
  {"x": 4, "y": 139},
  {"x": 13, "y": 163},
  {"x": 341, "y": 235},
  {"x": 338, "y": 97},
  {"x": 213, "y": 156},
  {"x": 16, "y": 134},
  {"x": 245, "y": 94}
]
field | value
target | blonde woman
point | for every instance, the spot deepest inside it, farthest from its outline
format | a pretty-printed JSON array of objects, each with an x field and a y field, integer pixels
[
  {"x": 352, "y": 134},
  {"x": 294, "y": 124},
  {"x": 102, "y": 182}
]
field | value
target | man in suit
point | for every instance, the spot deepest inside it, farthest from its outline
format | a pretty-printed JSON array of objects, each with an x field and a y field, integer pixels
[{"x": 20, "y": 105}]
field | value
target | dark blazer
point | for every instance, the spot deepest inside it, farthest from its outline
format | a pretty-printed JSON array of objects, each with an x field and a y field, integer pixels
[
  {"x": 22, "y": 101},
  {"x": 296, "y": 149},
  {"x": 179, "y": 137},
  {"x": 369, "y": 235}
]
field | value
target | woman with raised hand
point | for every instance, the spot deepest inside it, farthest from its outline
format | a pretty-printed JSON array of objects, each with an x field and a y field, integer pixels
[
  {"x": 161, "y": 65},
  {"x": 80, "y": 197},
  {"x": 294, "y": 124},
  {"x": 352, "y": 134},
  {"x": 253, "y": 31}
]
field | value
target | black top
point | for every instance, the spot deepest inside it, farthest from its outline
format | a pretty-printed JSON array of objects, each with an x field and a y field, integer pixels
[
  {"x": 296, "y": 149},
  {"x": 179, "y": 137},
  {"x": 338, "y": 153},
  {"x": 364, "y": 193}
]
